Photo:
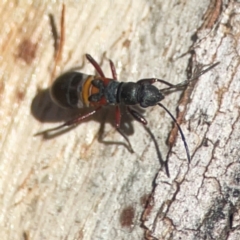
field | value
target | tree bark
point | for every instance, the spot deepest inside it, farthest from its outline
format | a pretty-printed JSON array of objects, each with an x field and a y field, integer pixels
[
  {"x": 201, "y": 199},
  {"x": 72, "y": 185}
]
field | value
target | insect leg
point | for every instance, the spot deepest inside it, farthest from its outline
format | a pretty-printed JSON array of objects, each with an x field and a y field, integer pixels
[
  {"x": 117, "y": 116},
  {"x": 137, "y": 116},
  {"x": 113, "y": 69},
  {"x": 95, "y": 64},
  {"x": 71, "y": 122}
]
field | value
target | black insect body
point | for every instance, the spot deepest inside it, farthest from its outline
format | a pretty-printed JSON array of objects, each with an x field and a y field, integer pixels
[{"x": 78, "y": 90}]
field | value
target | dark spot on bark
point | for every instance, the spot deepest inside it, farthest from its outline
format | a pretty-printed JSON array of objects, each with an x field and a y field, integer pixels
[
  {"x": 27, "y": 51},
  {"x": 20, "y": 95},
  {"x": 126, "y": 43},
  {"x": 205, "y": 142},
  {"x": 236, "y": 193},
  {"x": 144, "y": 200},
  {"x": 231, "y": 221},
  {"x": 127, "y": 216},
  {"x": 2, "y": 86},
  {"x": 237, "y": 178}
]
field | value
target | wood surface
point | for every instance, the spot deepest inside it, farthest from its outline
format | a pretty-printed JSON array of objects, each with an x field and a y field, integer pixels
[{"x": 72, "y": 185}]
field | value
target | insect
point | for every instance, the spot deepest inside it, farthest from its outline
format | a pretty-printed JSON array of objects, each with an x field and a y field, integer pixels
[{"x": 78, "y": 90}]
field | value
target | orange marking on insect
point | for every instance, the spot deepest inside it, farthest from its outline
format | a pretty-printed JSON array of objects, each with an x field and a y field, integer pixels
[{"x": 86, "y": 90}]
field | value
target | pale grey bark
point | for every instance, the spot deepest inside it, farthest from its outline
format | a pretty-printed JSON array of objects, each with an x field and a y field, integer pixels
[{"x": 201, "y": 200}]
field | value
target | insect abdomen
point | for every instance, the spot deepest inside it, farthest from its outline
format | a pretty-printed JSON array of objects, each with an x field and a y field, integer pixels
[{"x": 69, "y": 90}]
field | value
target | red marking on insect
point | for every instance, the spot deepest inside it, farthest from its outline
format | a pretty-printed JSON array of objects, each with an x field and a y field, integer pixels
[{"x": 78, "y": 90}]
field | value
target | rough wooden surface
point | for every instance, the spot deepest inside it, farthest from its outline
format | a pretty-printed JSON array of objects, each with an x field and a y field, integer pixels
[
  {"x": 74, "y": 187},
  {"x": 201, "y": 200}
]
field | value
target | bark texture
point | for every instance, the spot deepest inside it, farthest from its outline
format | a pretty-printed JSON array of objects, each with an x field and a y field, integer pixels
[{"x": 201, "y": 200}]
